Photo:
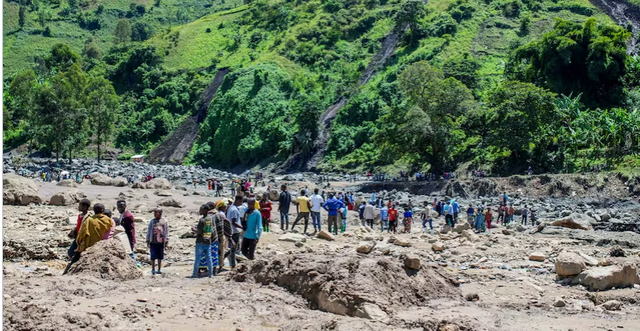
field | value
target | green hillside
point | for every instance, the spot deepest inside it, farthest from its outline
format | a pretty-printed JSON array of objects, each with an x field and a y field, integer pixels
[{"x": 464, "y": 74}]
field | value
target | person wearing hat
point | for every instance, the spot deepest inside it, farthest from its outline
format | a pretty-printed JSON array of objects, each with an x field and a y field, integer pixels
[{"x": 157, "y": 240}]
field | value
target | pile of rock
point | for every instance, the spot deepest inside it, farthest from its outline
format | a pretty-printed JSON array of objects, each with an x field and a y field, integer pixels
[{"x": 574, "y": 266}]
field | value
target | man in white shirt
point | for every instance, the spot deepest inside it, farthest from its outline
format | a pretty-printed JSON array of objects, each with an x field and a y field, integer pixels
[
  {"x": 316, "y": 206},
  {"x": 369, "y": 214},
  {"x": 233, "y": 216}
]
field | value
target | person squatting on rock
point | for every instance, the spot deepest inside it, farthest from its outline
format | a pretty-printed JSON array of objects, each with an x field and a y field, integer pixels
[
  {"x": 253, "y": 231},
  {"x": 316, "y": 205},
  {"x": 127, "y": 222},
  {"x": 91, "y": 231},
  {"x": 157, "y": 240},
  {"x": 369, "y": 214},
  {"x": 265, "y": 212},
  {"x": 206, "y": 234},
  {"x": 83, "y": 208},
  {"x": 303, "y": 205},
  {"x": 333, "y": 206},
  {"x": 284, "y": 203}
]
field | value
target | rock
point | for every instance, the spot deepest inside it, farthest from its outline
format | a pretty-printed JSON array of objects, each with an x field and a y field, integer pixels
[
  {"x": 373, "y": 312},
  {"x": 365, "y": 246},
  {"x": 18, "y": 190},
  {"x": 66, "y": 198},
  {"x": 100, "y": 179},
  {"x": 472, "y": 297},
  {"x": 612, "y": 305},
  {"x": 616, "y": 251},
  {"x": 605, "y": 217},
  {"x": 119, "y": 182},
  {"x": 67, "y": 183},
  {"x": 274, "y": 195},
  {"x": 537, "y": 256},
  {"x": 604, "y": 278},
  {"x": 293, "y": 237},
  {"x": 445, "y": 229},
  {"x": 575, "y": 221},
  {"x": 588, "y": 260},
  {"x": 559, "y": 302},
  {"x": 520, "y": 228},
  {"x": 383, "y": 248},
  {"x": 506, "y": 232},
  {"x": 163, "y": 193},
  {"x": 142, "y": 300},
  {"x": 569, "y": 264},
  {"x": 158, "y": 184},
  {"x": 299, "y": 244},
  {"x": 438, "y": 246},
  {"x": 402, "y": 242},
  {"x": 170, "y": 202},
  {"x": 412, "y": 261},
  {"x": 461, "y": 226},
  {"x": 470, "y": 235},
  {"x": 181, "y": 188},
  {"x": 326, "y": 235},
  {"x": 450, "y": 327}
]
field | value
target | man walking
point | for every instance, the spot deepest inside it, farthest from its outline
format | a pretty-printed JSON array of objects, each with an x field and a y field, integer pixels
[
  {"x": 384, "y": 218},
  {"x": 284, "y": 202},
  {"x": 369, "y": 214},
  {"x": 303, "y": 204},
  {"x": 254, "y": 230},
  {"x": 316, "y": 205},
  {"x": 234, "y": 218},
  {"x": 157, "y": 240},
  {"x": 332, "y": 206},
  {"x": 427, "y": 217}
]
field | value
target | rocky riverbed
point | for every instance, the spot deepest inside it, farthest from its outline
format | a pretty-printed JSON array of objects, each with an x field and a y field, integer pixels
[{"x": 575, "y": 270}]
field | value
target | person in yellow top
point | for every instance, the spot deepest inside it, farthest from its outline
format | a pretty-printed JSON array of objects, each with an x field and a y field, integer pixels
[
  {"x": 91, "y": 231},
  {"x": 303, "y": 204}
]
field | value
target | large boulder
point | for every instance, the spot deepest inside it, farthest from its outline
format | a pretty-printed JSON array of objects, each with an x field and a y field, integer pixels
[
  {"x": 170, "y": 202},
  {"x": 66, "y": 198},
  {"x": 412, "y": 261},
  {"x": 575, "y": 221},
  {"x": 274, "y": 195},
  {"x": 461, "y": 226},
  {"x": 604, "y": 278},
  {"x": 119, "y": 182},
  {"x": 326, "y": 235},
  {"x": 158, "y": 184},
  {"x": 100, "y": 179},
  {"x": 365, "y": 246},
  {"x": 18, "y": 190},
  {"x": 438, "y": 246},
  {"x": 67, "y": 183},
  {"x": 470, "y": 235},
  {"x": 569, "y": 264}
]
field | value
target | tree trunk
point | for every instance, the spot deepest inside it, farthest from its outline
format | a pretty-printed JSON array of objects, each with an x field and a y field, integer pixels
[{"x": 98, "y": 148}]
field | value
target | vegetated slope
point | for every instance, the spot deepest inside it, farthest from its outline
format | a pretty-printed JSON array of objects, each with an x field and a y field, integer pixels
[
  {"x": 624, "y": 13},
  {"x": 74, "y": 22}
]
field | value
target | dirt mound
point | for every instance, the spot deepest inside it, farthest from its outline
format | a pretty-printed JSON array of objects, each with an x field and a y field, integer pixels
[
  {"x": 107, "y": 260},
  {"x": 350, "y": 285}
]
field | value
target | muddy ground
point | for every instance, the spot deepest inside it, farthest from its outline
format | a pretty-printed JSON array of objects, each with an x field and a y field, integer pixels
[{"x": 483, "y": 283}]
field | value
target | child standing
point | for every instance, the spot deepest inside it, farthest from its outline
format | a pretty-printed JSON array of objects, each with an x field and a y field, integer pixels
[
  {"x": 157, "y": 239},
  {"x": 488, "y": 218}
]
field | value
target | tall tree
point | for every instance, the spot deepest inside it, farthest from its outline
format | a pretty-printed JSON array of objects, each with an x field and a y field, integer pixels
[
  {"x": 23, "y": 91},
  {"x": 409, "y": 15},
  {"x": 103, "y": 106},
  {"x": 22, "y": 15},
  {"x": 123, "y": 31}
]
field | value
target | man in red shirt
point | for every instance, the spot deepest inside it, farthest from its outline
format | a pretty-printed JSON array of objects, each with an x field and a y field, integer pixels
[
  {"x": 393, "y": 219},
  {"x": 126, "y": 220},
  {"x": 83, "y": 208}
]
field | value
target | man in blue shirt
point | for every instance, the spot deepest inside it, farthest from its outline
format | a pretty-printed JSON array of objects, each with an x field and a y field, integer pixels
[
  {"x": 254, "y": 229},
  {"x": 332, "y": 206},
  {"x": 384, "y": 218},
  {"x": 456, "y": 209}
]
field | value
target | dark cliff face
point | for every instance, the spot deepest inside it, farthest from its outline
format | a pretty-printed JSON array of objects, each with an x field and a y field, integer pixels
[{"x": 624, "y": 13}]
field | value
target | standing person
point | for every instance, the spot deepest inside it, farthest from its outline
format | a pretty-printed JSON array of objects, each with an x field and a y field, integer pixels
[
  {"x": 127, "y": 222},
  {"x": 500, "y": 214},
  {"x": 332, "y": 206},
  {"x": 505, "y": 198},
  {"x": 408, "y": 217},
  {"x": 470, "y": 212},
  {"x": 448, "y": 214},
  {"x": 265, "y": 212},
  {"x": 235, "y": 221},
  {"x": 488, "y": 217},
  {"x": 109, "y": 233},
  {"x": 209, "y": 184},
  {"x": 438, "y": 207},
  {"x": 524, "y": 215},
  {"x": 205, "y": 235},
  {"x": 361, "y": 213},
  {"x": 384, "y": 218},
  {"x": 316, "y": 206},
  {"x": 91, "y": 231},
  {"x": 157, "y": 239},
  {"x": 303, "y": 204},
  {"x": 456, "y": 210},
  {"x": 369, "y": 214},
  {"x": 480, "y": 221},
  {"x": 511, "y": 212},
  {"x": 83, "y": 208},
  {"x": 393, "y": 219},
  {"x": 532, "y": 215},
  {"x": 501, "y": 199},
  {"x": 195, "y": 183},
  {"x": 254, "y": 230},
  {"x": 427, "y": 217},
  {"x": 223, "y": 229},
  {"x": 284, "y": 203}
]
